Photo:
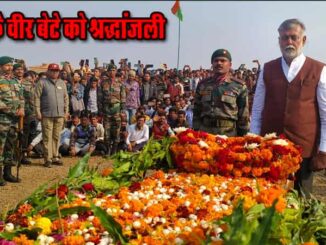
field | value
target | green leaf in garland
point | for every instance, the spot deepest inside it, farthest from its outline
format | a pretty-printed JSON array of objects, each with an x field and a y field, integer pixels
[
  {"x": 260, "y": 236},
  {"x": 66, "y": 211},
  {"x": 109, "y": 224},
  {"x": 104, "y": 184},
  {"x": 79, "y": 168}
]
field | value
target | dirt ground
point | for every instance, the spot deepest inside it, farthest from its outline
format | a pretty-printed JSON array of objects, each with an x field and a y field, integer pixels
[{"x": 35, "y": 175}]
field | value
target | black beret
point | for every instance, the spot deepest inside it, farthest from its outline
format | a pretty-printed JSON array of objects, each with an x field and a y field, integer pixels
[{"x": 221, "y": 53}]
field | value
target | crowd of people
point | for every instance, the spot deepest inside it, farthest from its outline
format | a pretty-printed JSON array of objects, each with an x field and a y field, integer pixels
[{"x": 107, "y": 109}]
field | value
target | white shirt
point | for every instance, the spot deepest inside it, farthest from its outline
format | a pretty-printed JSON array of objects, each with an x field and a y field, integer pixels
[
  {"x": 92, "y": 101},
  {"x": 99, "y": 131},
  {"x": 139, "y": 136},
  {"x": 290, "y": 73}
]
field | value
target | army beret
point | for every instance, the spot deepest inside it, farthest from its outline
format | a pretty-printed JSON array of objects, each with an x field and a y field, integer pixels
[
  {"x": 221, "y": 53},
  {"x": 16, "y": 66},
  {"x": 112, "y": 67},
  {"x": 6, "y": 60}
]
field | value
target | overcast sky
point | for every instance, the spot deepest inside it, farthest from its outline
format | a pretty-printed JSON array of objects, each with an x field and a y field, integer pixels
[{"x": 247, "y": 29}]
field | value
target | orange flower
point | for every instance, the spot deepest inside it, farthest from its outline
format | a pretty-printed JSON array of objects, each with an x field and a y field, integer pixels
[
  {"x": 246, "y": 169},
  {"x": 73, "y": 240},
  {"x": 266, "y": 154},
  {"x": 24, "y": 209},
  {"x": 196, "y": 156},
  {"x": 257, "y": 172},
  {"x": 202, "y": 165},
  {"x": 268, "y": 196},
  {"x": 22, "y": 240},
  {"x": 237, "y": 172},
  {"x": 106, "y": 172}
]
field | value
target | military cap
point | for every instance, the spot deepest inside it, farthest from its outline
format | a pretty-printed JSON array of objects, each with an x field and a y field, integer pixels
[
  {"x": 16, "y": 66},
  {"x": 54, "y": 67},
  {"x": 6, "y": 60},
  {"x": 112, "y": 67},
  {"x": 221, "y": 53}
]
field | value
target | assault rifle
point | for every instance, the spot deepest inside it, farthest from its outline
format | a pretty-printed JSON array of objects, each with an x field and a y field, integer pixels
[{"x": 19, "y": 145}]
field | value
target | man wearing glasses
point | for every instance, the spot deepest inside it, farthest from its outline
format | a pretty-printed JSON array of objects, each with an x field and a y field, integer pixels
[{"x": 290, "y": 99}]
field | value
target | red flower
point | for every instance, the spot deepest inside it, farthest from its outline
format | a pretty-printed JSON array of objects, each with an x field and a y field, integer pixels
[
  {"x": 206, "y": 192},
  {"x": 246, "y": 188},
  {"x": 88, "y": 187},
  {"x": 62, "y": 191},
  {"x": 274, "y": 173},
  {"x": 282, "y": 136},
  {"x": 179, "y": 161},
  {"x": 201, "y": 213},
  {"x": 281, "y": 150},
  {"x": 135, "y": 187},
  {"x": 183, "y": 212},
  {"x": 202, "y": 134}
]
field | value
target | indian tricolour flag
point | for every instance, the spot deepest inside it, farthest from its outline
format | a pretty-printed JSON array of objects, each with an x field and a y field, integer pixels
[{"x": 176, "y": 10}]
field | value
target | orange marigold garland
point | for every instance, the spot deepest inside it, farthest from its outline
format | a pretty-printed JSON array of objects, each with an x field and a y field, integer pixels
[{"x": 249, "y": 156}]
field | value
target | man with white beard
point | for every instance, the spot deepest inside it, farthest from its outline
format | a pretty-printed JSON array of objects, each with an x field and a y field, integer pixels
[{"x": 290, "y": 99}]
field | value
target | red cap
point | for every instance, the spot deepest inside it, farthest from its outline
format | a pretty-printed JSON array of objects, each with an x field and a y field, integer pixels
[{"x": 54, "y": 67}]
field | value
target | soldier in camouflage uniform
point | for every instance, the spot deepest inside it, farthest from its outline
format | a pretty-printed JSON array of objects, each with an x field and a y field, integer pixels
[
  {"x": 18, "y": 73},
  {"x": 30, "y": 121},
  {"x": 11, "y": 108},
  {"x": 221, "y": 101},
  {"x": 111, "y": 100}
]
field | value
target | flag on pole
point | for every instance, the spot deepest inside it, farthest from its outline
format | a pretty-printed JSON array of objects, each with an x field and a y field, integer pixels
[{"x": 176, "y": 10}]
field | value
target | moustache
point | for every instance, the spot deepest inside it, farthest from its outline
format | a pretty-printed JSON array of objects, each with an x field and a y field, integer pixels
[{"x": 289, "y": 47}]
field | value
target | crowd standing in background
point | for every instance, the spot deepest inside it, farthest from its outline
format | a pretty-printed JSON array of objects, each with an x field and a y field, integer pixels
[{"x": 98, "y": 111}]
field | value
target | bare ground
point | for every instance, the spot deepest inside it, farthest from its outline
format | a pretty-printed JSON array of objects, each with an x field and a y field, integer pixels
[{"x": 35, "y": 175}]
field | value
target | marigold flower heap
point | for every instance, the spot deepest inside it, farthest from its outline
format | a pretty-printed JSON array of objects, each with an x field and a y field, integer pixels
[
  {"x": 172, "y": 208},
  {"x": 269, "y": 157}
]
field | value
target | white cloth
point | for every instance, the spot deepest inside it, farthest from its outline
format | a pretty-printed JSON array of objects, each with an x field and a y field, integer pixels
[
  {"x": 99, "y": 132},
  {"x": 92, "y": 101},
  {"x": 139, "y": 136},
  {"x": 37, "y": 139},
  {"x": 290, "y": 72}
]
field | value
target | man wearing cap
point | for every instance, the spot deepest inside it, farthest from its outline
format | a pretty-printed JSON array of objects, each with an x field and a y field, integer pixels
[
  {"x": 111, "y": 100},
  {"x": 221, "y": 101},
  {"x": 11, "y": 108},
  {"x": 18, "y": 72},
  {"x": 30, "y": 122},
  {"x": 52, "y": 106}
]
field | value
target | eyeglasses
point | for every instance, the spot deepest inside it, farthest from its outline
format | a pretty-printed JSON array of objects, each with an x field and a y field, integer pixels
[{"x": 292, "y": 37}]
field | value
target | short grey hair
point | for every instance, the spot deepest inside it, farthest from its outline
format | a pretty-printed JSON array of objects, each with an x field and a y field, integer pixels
[{"x": 288, "y": 24}]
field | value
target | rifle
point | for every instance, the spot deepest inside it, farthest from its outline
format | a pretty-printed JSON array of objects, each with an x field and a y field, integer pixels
[{"x": 19, "y": 145}]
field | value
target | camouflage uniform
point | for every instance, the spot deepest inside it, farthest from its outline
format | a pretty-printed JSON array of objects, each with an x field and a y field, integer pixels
[
  {"x": 30, "y": 121},
  {"x": 111, "y": 99},
  {"x": 11, "y": 99},
  {"x": 221, "y": 108}
]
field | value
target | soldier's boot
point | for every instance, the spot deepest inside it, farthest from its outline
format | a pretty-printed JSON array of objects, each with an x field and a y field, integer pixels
[
  {"x": 7, "y": 175},
  {"x": 2, "y": 181},
  {"x": 25, "y": 160},
  {"x": 114, "y": 148},
  {"x": 9, "y": 162},
  {"x": 108, "y": 153}
]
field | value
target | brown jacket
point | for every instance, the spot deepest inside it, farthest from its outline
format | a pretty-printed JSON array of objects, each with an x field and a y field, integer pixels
[{"x": 292, "y": 108}]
